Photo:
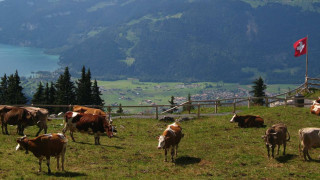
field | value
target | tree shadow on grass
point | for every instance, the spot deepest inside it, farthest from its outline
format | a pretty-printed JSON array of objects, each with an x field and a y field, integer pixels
[
  {"x": 186, "y": 160},
  {"x": 117, "y": 147},
  {"x": 285, "y": 158}
]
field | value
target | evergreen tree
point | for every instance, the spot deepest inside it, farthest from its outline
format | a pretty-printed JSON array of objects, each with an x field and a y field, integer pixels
[
  {"x": 189, "y": 107},
  {"x": 83, "y": 90},
  {"x": 120, "y": 110},
  {"x": 14, "y": 90},
  {"x": 65, "y": 94},
  {"x": 52, "y": 94},
  {"x": 46, "y": 94},
  {"x": 3, "y": 89},
  {"x": 38, "y": 97},
  {"x": 96, "y": 99},
  {"x": 173, "y": 104},
  {"x": 258, "y": 91}
]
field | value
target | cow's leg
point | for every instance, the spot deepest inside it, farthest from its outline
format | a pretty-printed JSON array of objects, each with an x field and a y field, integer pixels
[
  {"x": 305, "y": 154},
  {"x": 40, "y": 129},
  {"x": 268, "y": 149},
  {"x": 284, "y": 148},
  {"x": 96, "y": 139},
  {"x": 272, "y": 150},
  {"x": 165, "y": 154},
  {"x": 172, "y": 153},
  {"x": 278, "y": 149},
  {"x": 71, "y": 134},
  {"x": 6, "y": 128},
  {"x": 48, "y": 164},
  {"x": 62, "y": 156},
  {"x": 40, "y": 162},
  {"x": 45, "y": 127},
  {"x": 57, "y": 157}
]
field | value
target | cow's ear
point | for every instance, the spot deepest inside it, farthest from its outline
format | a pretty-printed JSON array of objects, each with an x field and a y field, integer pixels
[
  {"x": 263, "y": 137},
  {"x": 158, "y": 137}
]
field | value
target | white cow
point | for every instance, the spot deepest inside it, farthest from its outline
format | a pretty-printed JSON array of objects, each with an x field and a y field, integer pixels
[{"x": 309, "y": 138}]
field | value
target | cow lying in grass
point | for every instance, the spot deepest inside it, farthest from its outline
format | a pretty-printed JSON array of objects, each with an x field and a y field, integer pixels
[
  {"x": 170, "y": 138},
  {"x": 45, "y": 146},
  {"x": 247, "y": 121},
  {"x": 276, "y": 135}
]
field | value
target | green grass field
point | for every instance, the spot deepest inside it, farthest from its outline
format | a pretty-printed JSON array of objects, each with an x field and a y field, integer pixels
[{"x": 212, "y": 148}]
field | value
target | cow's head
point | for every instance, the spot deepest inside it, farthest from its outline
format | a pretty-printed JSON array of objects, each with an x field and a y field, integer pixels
[
  {"x": 23, "y": 144},
  {"x": 109, "y": 129},
  {"x": 270, "y": 138},
  {"x": 162, "y": 141},
  {"x": 234, "y": 118}
]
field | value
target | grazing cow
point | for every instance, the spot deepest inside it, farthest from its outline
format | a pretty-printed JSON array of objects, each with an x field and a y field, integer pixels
[
  {"x": 45, "y": 146},
  {"x": 15, "y": 116},
  {"x": 40, "y": 117},
  {"x": 309, "y": 138},
  {"x": 170, "y": 138},
  {"x": 86, "y": 110},
  {"x": 276, "y": 135},
  {"x": 89, "y": 123},
  {"x": 247, "y": 121}
]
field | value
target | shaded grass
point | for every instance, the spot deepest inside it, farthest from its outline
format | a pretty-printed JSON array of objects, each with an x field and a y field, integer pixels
[{"x": 211, "y": 148}]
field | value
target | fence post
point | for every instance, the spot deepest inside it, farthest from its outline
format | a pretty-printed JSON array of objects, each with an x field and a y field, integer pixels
[
  {"x": 234, "y": 105},
  {"x": 198, "y": 110},
  {"x": 249, "y": 100},
  {"x": 157, "y": 113},
  {"x": 267, "y": 102},
  {"x": 285, "y": 100},
  {"x": 216, "y": 107}
]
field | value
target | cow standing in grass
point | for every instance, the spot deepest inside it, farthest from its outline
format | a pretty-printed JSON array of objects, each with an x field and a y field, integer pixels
[
  {"x": 45, "y": 146},
  {"x": 170, "y": 138},
  {"x": 309, "y": 138},
  {"x": 87, "y": 123},
  {"x": 276, "y": 135},
  {"x": 247, "y": 121}
]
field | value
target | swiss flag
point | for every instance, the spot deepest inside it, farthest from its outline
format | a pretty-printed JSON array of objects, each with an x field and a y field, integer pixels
[{"x": 300, "y": 47}]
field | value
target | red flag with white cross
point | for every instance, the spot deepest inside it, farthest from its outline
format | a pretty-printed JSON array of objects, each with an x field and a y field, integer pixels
[{"x": 300, "y": 47}]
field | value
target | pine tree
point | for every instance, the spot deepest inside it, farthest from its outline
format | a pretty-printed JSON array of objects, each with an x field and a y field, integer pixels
[
  {"x": 83, "y": 90},
  {"x": 14, "y": 90},
  {"x": 65, "y": 94},
  {"x": 120, "y": 110},
  {"x": 52, "y": 94},
  {"x": 258, "y": 91},
  {"x": 96, "y": 99},
  {"x": 173, "y": 104},
  {"x": 3, "y": 89},
  {"x": 188, "y": 107},
  {"x": 46, "y": 94},
  {"x": 38, "y": 97}
]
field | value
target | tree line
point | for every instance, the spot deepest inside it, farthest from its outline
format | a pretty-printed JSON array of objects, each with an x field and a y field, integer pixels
[{"x": 63, "y": 92}]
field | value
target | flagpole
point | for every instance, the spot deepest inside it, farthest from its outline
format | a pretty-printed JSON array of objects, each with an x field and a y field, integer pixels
[{"x": 306, "y": 80}]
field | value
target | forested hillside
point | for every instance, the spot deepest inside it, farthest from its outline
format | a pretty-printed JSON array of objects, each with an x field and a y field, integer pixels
[{"x": 165, "y": 40}]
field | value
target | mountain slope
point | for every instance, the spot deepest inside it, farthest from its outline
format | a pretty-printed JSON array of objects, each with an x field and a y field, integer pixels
[{"x": 181, "y": 40}]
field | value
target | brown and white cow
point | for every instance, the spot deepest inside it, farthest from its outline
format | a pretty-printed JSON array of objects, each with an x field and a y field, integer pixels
[
  {"x": 87, "y": 110},
  {"x": 40, "y": 117},
  {"x": 170, "y": 138},
  {"x": 15, "y": 116},
  {"x": 309, "y": 138},
  {"x": 248, "y": 121},
  {"x": 89, "y": 123},
  {"x": 276, "y": 135},
  {"x": 45, "y": 146}
]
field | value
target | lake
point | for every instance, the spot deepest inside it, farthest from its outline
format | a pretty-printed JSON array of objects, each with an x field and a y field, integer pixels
[{"x": 25, "y": 60}]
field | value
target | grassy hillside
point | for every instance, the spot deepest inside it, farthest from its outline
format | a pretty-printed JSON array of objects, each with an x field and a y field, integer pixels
[{"x": 212, "y": 148}]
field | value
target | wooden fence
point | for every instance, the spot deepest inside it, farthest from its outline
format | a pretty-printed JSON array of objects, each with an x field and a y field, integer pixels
[{"x": 285, "y": 99}]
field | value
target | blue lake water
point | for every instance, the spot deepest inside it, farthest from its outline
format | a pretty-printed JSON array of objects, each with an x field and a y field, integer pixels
[{"x": 25, "y": 60}]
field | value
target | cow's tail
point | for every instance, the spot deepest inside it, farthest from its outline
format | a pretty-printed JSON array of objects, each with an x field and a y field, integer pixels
[
  {"x": 65, "y": 125},
  {"x": 288, "y": 136}
]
